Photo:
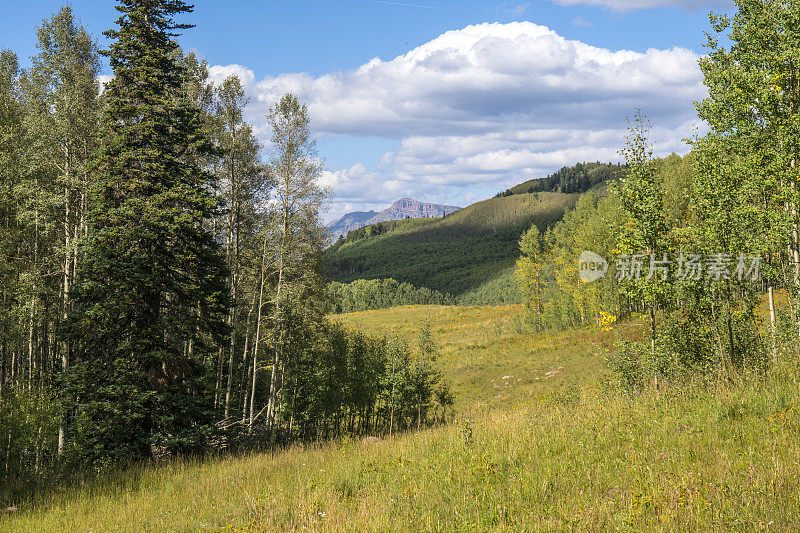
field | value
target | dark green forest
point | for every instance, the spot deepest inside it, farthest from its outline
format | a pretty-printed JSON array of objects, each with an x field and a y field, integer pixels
[{"x": 575, "y": 179}]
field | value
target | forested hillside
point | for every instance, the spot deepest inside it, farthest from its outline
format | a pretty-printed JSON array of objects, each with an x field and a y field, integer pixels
[
  {"x": 453, "y": 255},
  {"x": 484, "y": 272},
  {"x": 575, "y": 179}
]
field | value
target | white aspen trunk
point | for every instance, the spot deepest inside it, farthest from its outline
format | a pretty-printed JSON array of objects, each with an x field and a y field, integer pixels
[
  {"x": 31, "y": 337},
  {"x": 273, "y": 380},
  {"x": 232, "y": 348},
  {"x": 258, "y": 334},
  {"x": 771, "y": 295},
  {"x": 233, "y": 262},
  {"x": 795, "y": 239},
  {"x": 66, "y": 295},
  {"x": 245, "y": 355},
  {"x": 391, "y": 413}
]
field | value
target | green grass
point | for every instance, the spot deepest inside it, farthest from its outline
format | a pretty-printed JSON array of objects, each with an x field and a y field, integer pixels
[
  {"x": 455, "y": 254},
  {"x": 528, "y": 453}
]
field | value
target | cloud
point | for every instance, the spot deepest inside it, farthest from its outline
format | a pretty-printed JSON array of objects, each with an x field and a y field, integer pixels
[
  {"x": 582, "y": 22},
  {"x": 632, "y": 5},
  {"x": 520, "y": 9},
  {"x": 479, "y": 109},
  {"x": 103, "y": 80},
  {"x": 401, "y": 4}
]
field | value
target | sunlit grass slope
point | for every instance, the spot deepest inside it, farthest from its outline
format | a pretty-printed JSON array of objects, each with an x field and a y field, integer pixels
[
  {"x": 487, "y": 355},
  {"x": 724, "y": 460},
  {"x": 525, "y": 453}
]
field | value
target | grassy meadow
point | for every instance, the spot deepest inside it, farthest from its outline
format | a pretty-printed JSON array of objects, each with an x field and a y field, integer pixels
[
  {"x": 540, "y": 442},
  {"x": 489, "y": 358}
]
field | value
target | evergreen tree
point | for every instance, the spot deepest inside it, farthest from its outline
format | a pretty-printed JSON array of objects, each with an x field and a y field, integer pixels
[{"x": 153, "y": 279}]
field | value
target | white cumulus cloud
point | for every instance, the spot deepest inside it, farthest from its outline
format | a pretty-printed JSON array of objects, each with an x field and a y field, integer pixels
[{"x": 479, "y": 109}]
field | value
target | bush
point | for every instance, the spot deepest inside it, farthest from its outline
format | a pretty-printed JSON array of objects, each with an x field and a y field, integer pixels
[{"x": 688, "y": 344}]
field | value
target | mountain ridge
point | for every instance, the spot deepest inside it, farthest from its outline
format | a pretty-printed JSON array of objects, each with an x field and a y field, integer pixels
[{"x": 401, "y": 209}]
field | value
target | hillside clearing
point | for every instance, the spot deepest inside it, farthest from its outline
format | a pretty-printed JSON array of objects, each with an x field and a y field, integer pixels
[
  {"x": 560, "y": 452},
  {"x": 715, "y": 459},
  {"x": 455, "y": 254}
]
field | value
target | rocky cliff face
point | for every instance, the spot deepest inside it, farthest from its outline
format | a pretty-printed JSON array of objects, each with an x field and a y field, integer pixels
[
  {"x": 403, "y": 208},
  {"x": 348, "y": 222}
]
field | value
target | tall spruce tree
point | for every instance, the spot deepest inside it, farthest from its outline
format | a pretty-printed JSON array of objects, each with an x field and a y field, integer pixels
[{"x": 153, "y": 280}]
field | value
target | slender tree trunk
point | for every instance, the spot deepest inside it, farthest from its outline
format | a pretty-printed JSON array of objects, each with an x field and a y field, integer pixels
[
  {"x": 233, "y": 254},
  {"x": 419, "y": 411},
  {"x": 66, "y": 296},
  {"x": 218, "y": 386},
  {"x": 4, "y": 350},
  {"x": 258, "y": 333},
  {"x": 220, "y": 355},
  {"x": 31, "y": 341},
  {"x": 391, "y": 411},
  {"x": 771, "y": 297},
  {"x": 245, "y": 358},
  {"x": 795, "y": 246},
  {"x": 653, "y": 345},
  {"x": 273, "y": 393},
  {"x": 232, "y": 323},
  {"x": 734, "y": 357}
]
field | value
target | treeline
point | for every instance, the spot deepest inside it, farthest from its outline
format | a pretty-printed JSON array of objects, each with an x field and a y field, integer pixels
[
  {"x": 363, "y": 294},
  {"x": 575, "y": 179},
  {"x": 548, "y": 271},
  {"x": 161, "y": 283},
  {"x": 693, "y": 243}
]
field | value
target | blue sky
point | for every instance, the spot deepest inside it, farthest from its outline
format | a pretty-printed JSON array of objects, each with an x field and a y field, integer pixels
[{"x": 441, "y": 100}]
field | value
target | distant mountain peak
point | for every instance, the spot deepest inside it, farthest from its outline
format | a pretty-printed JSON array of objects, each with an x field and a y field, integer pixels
[{"x": 402, "y": 208}]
